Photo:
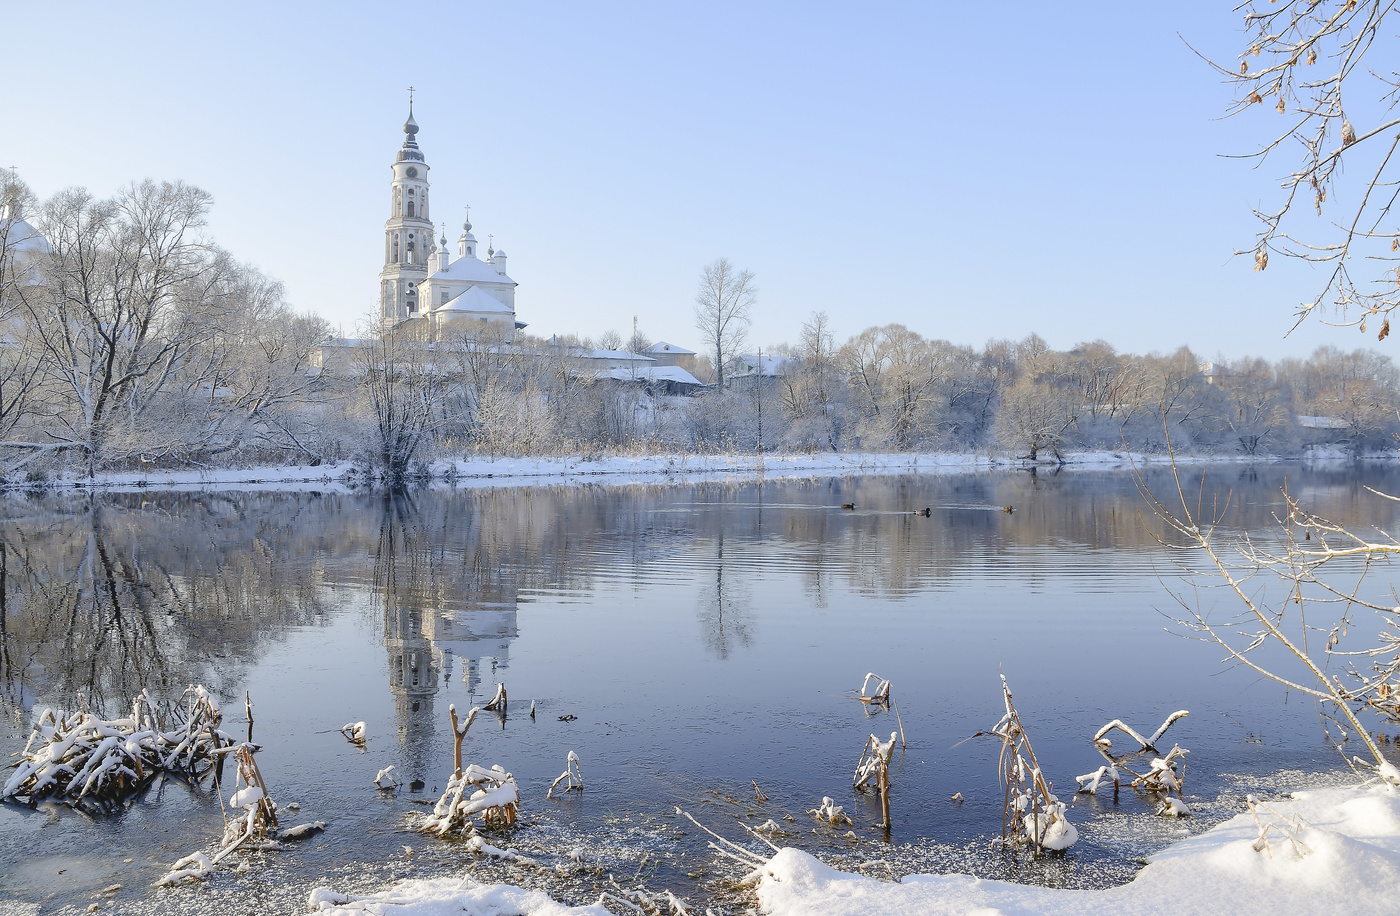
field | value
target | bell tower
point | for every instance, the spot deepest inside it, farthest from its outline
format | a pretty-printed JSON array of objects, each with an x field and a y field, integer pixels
[{"x": 408, "y": 233}]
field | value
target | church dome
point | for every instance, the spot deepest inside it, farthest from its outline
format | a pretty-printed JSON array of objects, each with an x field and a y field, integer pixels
[
  {"x": 410, "y": 126},
  {"x": 22, "y": 237},
  {"x": 500, "y": 252}
]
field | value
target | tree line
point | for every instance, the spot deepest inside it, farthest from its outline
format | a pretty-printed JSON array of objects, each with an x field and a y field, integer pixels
[{"x": 129, "y": 339}]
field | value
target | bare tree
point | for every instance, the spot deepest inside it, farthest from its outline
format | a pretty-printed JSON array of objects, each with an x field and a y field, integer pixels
[
  {"x": 1306, "y": 59},
  {"x": 403, "y": 387},
  {"x": 1309, "y": 618},
  {"x": 722, "y": 310},
  {"x": 129, "y": 289}
]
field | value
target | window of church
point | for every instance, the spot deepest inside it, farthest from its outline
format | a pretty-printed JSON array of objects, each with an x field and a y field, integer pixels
[
  {"x": 410, "y": 208},
  {"x": 396, "y": 248}
]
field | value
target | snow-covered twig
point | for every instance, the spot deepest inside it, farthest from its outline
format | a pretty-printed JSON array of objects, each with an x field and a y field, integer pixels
[
  {"x": 1031, "y": 814},
  {"x": 1146, "y": 744},
  {"x": 571, "y": 773}
]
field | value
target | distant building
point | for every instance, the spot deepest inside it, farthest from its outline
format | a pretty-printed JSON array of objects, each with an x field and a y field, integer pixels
[
  {"x": 423, "y": 285},
  {"x": 747, "y": 365}
]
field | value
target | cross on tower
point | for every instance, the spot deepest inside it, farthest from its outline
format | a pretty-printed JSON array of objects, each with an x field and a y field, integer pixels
[{"x": 410, "y": 96}]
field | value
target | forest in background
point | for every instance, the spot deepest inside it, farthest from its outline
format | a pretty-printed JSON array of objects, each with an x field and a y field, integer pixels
[{"x": 131, "y": 340}]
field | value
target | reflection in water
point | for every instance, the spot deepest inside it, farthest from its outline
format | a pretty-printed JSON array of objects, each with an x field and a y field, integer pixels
[
  {"x": 445, "y": 601},
  {"x": 782, "y": 601},
  {"x": 725, "y": 605}
]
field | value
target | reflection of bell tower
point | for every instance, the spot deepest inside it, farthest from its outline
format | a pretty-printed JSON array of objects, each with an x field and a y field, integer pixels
[
  {"x": 446, "y": 603},
  {"x": 413, "y": 668}
]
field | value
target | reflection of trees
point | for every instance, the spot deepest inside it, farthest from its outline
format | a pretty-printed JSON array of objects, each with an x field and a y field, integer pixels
[
  {"x": 106, "y": 596},
  {"x": 725, "y": 605}
]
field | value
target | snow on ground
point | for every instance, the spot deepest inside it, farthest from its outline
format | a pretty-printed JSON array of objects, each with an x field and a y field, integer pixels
[
  {"x": 1346, "y": 860},
  {"x": 1330, "y": 850},
  {"x": 449, "y": 897},
  {"x": 478, "y": 472}
]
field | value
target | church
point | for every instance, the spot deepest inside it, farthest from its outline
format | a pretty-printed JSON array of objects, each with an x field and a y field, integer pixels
[{"x": 424, "y": 287}]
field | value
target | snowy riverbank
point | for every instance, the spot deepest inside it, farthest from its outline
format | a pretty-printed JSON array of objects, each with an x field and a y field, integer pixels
[
  {"x": 640, "y": 469},
  {"x": 1331, "y": 850}
]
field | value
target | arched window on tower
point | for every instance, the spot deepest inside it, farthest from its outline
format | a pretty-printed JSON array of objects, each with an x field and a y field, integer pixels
[
  {"x": 408, "y": 252},
  {"x": 410, "y": 201}
]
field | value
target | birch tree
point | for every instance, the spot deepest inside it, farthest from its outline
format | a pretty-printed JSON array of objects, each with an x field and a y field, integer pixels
[{"x": 723, "y": 307}]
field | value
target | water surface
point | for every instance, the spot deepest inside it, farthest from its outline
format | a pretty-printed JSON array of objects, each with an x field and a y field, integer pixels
[{"x": 704, "y": 636}]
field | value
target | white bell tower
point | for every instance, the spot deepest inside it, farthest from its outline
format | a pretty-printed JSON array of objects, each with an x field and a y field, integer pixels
[{"x": 408, "y": 233}]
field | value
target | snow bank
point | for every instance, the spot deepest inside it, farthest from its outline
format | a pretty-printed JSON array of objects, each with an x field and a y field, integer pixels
[
  {"x": 1350, "y": 864},
  {"x": 478, "y": 472},
  {"x": 451, "y": 897}
]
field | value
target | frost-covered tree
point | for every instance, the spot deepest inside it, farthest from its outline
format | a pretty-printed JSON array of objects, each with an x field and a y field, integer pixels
[
  {"x": 129, "y": 290},
  {"x": 723, "y": 311}
]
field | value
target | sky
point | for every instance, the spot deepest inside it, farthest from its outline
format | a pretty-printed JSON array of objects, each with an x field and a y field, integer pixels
[{"x": 969, "y": 171}]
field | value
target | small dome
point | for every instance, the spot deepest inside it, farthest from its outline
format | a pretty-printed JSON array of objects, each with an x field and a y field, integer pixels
[
  {"x": 410, "y": 126},
  {"x": 500, "y": 252}
]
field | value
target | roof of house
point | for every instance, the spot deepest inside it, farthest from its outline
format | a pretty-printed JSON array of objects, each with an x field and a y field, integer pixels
[
  {"x": 1308, "y": 422},
  {"x": 475, "y": 299},
  {"x": 651, "y": 374},
  {"x": 614, "y": 354},
  {"x": 772, "y": 365},
  {"x": 662, "y": 346}
]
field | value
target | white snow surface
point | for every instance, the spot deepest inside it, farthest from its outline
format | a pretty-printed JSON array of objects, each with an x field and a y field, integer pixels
[
  {"x": 482, "y": 471},
  {"x": 450, "y": 897},
  {"x": 1351, "y": 866}
]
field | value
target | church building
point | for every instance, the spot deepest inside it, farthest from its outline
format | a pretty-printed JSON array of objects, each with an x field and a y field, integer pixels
[{"x": 424, "y": 287}]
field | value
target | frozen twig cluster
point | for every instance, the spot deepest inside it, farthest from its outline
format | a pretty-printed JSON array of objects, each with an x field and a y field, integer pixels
[
  {"x": 874, "y": 766},
  {"x": 879, "y": 697},
  {"x": 1165, "y": 777},
  {"x": 1031, "y": 814},
  {"x": 257, "y": 818},
  {"x": 830, "y": 813},
  {"x": 571, "y": 775},
  {"x": 90, "y": 761},
  {"x": 1146, "y": 744},
  {"x": 475, "y": 792},
  {"x": 1279, "y": 825}
]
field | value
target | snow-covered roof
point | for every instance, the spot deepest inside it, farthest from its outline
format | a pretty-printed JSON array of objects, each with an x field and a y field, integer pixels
[
  {"x": 652, "y": 374},
  {"x": 474, "y": 299},
  {"x": 614, "y": 354},
  {"x": 20, "y": 235},
  {"x": 772, "y": 365},
  {"x": 662, "y": 346},
  {"x": 469, "y": 268},
  {"x": 1321, "y": 422}
]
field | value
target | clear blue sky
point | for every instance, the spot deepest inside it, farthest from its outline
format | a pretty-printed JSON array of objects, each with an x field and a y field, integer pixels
[{"x": 969, "y": 171}]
